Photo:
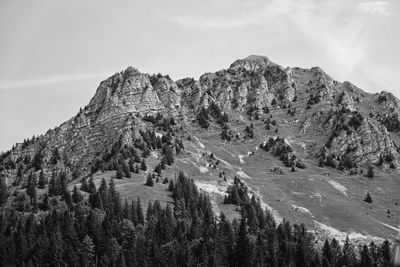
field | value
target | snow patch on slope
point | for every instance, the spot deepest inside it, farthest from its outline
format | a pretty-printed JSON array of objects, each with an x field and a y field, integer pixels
[
  {"x": 290, "y": 141},
  {"x": 198, "y": 142},
  {"x": 275, "y": 214},
  {"x": 242, "y": 174},
  {"x": 356, "y": 238},
  {"x": 338, "y": 187},
  {"x": 302, "y": 210},
  {"x": 212, "y": 190},
  {"x": 203, "y": 169}
]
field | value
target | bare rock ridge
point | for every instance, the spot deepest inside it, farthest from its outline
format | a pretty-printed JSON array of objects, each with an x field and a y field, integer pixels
[
  {"x": 348, "y": 123},
  {"x": 252, "y": 63}
]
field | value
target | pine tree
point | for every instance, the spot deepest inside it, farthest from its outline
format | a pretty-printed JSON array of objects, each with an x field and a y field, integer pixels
[
  {"x": 326, "y": 252},
  {"x": 126, "y": 214},
  {"x": 54, "y": 185},
  {"x": 64, "y": 192},
  {"x": 242, "y": 250},
  {"x": 126, "y": 170},
  {"x": 336, "y": 252},
  {"x": 139, "y": 209},
  {"x": 384, "y": 253},
  {"x": 55, "y": 157},
  {"x": 76, "y": 196},
  {"x": 42, "y": 180},
  {"x": 84, "y": 185},
  {"x": 349, "y": 254},
  {"x": 115, "y": 199},
  {"x": 143, "y": 165},
  {"x": 20, "y": 171},
  {"x": 202, "y": 118},
  {"x": 34, "y": 203},
  {"x": 131, "y": 166},
  {"x": 37, "y": 161},
  {"x": 30, "y": 188},
  {"x": 368, "y": 198},
  {"x": 46, "y": 202},
  {"x": 373, "y": 251},
  {"x": 136, "y": 156},
  {"x": 169, "y": 157},
  {"x": 67, "y": 197},
  {"x": 119, "y": 173},
  {"x": 98, "y": 203},
  {"x": 146, "y": 152},
  {"x": 111, "y": 189},
  {"x": 162, "y": 164},
  {"x": 3, "y": 191},
  {"x": 171, "y": 186},
  {"x": 87, "y": 252},
  {"x": 365, "y": 257},
  {"x": 157, "y": 169},
  {"x": 137, "y": 168},
  {"x": 91, "y": 186},
  {"x": 370, "y": 172},
  {"x": 149, "y": 180},
  {"x": 114, "y": 251}
]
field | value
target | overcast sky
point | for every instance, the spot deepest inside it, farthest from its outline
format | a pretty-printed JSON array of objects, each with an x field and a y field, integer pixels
[{"x": 53, "y": 54}]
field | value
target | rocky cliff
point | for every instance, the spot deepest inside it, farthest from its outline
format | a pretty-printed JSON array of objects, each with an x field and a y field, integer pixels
[{"x": 347, "y": 123}]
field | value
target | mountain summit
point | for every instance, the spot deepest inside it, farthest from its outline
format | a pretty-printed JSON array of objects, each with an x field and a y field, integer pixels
[{"x": 308, "y": 146}]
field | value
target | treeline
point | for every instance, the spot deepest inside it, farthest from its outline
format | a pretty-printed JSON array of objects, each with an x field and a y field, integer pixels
[
  {"x": 213, "y": 111},
  {"x": 102, "y": 231},
  {"x": 121, "y": 157},
  {"x": 280, "y": 148},
  {"x": 131, "y": 158}
]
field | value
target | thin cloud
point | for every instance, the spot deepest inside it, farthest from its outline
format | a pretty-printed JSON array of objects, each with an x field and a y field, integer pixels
[
  {"x": 341, "y": 37},
  {"x": 191, "y": 22},
  {"x": 265, "y": 12},
  {"x": 375, "y": 7},
  {"x": 52, "y": 79}
]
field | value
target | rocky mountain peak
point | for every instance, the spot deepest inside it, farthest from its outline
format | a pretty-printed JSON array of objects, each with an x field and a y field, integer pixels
[
  {"x": 127, "y": 92},
  {"x": 252, "y": 63},
  {"x": 297, "y": 137},
  {"x": 309, "y": 102}
]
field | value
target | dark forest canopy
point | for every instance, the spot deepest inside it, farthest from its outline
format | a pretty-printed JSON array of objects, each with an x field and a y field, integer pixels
[{"x": 69, "y": 230}]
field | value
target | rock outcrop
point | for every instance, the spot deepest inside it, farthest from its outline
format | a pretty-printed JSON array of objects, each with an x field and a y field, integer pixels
[
  {"x": 356, "y": 137},
  {"x": 280, "y": 148},
  {"x": 351, "y": 123}
]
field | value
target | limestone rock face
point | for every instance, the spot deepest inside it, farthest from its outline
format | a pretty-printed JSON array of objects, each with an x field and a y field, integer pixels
[
  {"x": 169, "y": 94},
  {"x": 252, "y": 63},
  {"x": 387, "y": 111},
  {"x": 248, "y": 86},
  {"x": 191, "y": 93},
  {"x": 347, "y": 101},
  {"x": 125, "y": 93},
  {"x": 357, "y": 136},
  {"x": 279, "y": 147},
  {"x": 359, "y": 125},
  {"x": 111, "y": 112}
]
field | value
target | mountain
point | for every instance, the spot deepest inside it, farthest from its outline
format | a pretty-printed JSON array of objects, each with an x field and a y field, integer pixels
[{"x": 308, "y": 146}]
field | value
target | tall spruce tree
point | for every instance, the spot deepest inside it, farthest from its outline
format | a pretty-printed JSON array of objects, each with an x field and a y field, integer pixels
[
  {"x": 143, "y": 165},
  {"x": 3, "y": 191},
  {"x": 149, "y": 180},
  {"x": 42, "y": 180}
]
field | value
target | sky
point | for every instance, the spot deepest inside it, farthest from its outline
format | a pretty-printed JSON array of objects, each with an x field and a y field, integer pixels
[{"x": 54, "y": 54}]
